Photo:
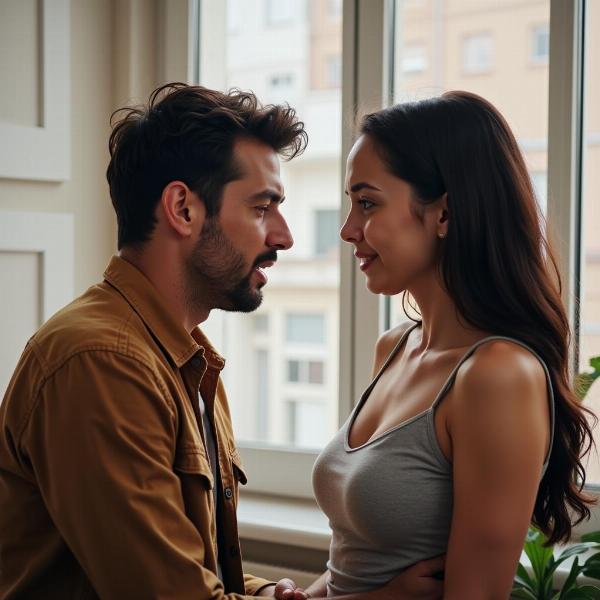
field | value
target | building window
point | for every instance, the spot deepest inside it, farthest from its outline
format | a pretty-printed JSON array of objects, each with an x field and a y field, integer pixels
[
  {"x": 279, "y": 82},
  {"x": 305, "y": 328},
  {"x": 306, "y": 423},
  {"x": 260, "y": 323},
  {"x": 478, "y": 53},
  {"x": 414, "y": 59},
  {"x": 327, "y": 228},
  {"x": 281, "y": 12},
  {"x": 540, "y": 44},
  {"x": 305, "y": 371}
]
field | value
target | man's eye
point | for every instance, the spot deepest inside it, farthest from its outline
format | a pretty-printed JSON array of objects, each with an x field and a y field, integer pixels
[
  {"x": 262, "y": 209},
  {"x": 366, "y": 204}
]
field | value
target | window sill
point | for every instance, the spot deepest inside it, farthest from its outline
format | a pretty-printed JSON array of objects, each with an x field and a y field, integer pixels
[{"x": 295, "y": 522}]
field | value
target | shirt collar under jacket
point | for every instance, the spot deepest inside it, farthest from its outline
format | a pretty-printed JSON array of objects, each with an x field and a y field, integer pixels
[{"x": 147, "y": 302}]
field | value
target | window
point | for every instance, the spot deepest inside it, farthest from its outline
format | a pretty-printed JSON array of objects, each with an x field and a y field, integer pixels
[
  {"x": 277, "y": 82},
  {"x": 261, "y": 323},
  {"x": 414, "y": 59},
  {"x": 305, "y": 328},
  {"x": 540, "y": 44},
  {"x": 589, "y": 334},
  {"x": 327, "y": 227},
  {"x": 303, "y": 305},
  {"x": 305, "y": 371},
  {"x": 282, "y": 12},
  {"x": 478, "y": 53},
  {"x": 306, "y": 424},
  {"x": 526, "y": 113},
  {"x": 274, "y": 53},
  {"x": 281, "y": 88}
]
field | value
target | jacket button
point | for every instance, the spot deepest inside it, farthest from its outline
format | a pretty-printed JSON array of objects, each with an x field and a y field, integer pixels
[
  {"x": 228, "y": 493},
  {"x": 233, "y": 551}
]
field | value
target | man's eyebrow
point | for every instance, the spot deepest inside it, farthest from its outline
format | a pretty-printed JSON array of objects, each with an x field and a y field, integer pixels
[
  {"x": 361, "y": 185},
  {"x": 268, "y": 194}
]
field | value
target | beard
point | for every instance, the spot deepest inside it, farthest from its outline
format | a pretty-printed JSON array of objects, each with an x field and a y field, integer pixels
[{"x": 217, "y": 275}]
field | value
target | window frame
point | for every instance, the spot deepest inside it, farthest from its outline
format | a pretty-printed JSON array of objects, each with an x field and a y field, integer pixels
[{"x": 367, "y": 80}]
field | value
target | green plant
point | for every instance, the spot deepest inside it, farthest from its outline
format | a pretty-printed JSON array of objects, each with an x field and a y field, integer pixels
[
  {"x": 583, "y": 381},
  {"x": 539, "y": 584}
]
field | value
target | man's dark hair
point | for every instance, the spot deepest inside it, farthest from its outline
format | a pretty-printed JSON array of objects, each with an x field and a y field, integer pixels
[{"x": 187, "y": 133}]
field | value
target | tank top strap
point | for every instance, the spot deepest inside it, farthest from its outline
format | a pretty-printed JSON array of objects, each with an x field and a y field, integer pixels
[
  {"x": 383, "y": 367},
  {"x": 471, "y": 351}
]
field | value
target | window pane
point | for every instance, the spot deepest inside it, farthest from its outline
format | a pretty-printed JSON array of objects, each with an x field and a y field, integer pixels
[
  {"x": 293, "y": 371},
  {"x": 286, "y": 51},
  {"x": 590, "y": 251},
  {"x": 486, "y": 48},
  {"x": 315, "y": 371},
  {"x": 327, "y": 228},
  {"x": 305, "y": 328}
]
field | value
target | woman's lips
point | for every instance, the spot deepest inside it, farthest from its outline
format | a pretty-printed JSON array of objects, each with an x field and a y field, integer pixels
[{"x": 366, "y": 260}]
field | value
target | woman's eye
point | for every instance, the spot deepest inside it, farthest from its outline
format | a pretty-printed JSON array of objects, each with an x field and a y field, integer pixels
[{"x": 366, "y": 204}]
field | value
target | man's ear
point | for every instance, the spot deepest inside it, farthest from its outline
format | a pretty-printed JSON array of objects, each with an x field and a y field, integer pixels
[{"x": 184, "y": 212}]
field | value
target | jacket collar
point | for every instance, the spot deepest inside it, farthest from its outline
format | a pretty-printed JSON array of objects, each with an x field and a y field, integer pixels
[{"x": 147, "y": 302}]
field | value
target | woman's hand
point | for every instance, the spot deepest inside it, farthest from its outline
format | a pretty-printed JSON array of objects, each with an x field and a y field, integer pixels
[{"x": 421, "y": 581}]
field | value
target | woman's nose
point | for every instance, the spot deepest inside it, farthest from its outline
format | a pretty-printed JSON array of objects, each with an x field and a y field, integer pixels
[{"x": 351, "y": 232}]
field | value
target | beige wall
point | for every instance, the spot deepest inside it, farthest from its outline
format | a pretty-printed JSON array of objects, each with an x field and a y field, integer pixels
[
  {"x": 86, "y": 194},
  {"x": 114, "y": 59}
]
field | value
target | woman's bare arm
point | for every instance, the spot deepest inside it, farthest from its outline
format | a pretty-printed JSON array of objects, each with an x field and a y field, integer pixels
[{"x": 500, "y": 429}]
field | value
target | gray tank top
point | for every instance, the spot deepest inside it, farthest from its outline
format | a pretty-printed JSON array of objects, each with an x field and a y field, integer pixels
[{"x": 389, "y": 501}]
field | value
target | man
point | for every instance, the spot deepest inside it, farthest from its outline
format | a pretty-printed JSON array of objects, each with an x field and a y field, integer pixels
[{"x": 118, "y": 466}]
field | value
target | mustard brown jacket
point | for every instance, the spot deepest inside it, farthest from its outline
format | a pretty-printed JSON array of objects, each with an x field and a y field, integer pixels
[{"x": 106, "y": 490}]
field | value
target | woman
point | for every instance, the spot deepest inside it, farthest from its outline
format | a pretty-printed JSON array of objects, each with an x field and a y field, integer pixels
[{"x": 470, "y": 429}]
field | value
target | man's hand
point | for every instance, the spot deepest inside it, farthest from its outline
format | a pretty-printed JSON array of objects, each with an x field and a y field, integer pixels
[
  {"x": 421, "y": 581},
  {"x": 285, "y": 589}
]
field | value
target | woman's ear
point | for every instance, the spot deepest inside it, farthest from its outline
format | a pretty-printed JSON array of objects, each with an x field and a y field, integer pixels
[
  {"x": 183, "y": 210},
  {"x": 442, "y": 220}
]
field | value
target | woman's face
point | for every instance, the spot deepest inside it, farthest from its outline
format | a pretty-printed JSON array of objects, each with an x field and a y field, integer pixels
[{"x": 395, "y": 238}]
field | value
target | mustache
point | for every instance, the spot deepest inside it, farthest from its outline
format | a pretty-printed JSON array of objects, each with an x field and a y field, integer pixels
[{"x": 271, "y": 255}]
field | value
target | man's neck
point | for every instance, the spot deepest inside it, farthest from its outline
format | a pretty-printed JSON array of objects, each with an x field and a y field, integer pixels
[{"x": 165, "y": 272}]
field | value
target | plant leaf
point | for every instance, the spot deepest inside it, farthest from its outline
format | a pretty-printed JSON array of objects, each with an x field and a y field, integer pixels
[
  {"x": 523, "y": 579},
  {"x": 586, "y": 592},
  {"x": 523, "y": 593},
  {"x": 570, "y": 581},
  {"x": 539, "y": 555},
  {"x": 595, "y": 535},
  {"x": 592, "y": 570}
]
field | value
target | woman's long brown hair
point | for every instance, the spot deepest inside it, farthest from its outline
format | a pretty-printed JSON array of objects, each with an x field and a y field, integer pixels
[{"x": 495, "y": 261}]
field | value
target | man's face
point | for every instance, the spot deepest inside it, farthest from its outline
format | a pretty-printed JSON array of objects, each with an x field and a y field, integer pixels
[{"x": 225, "y": 269}]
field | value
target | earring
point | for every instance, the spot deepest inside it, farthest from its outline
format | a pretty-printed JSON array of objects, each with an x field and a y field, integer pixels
[{"x": 441, "y": 235}]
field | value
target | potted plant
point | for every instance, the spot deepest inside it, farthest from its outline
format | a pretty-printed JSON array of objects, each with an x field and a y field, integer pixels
[{"x": 539, "y": 583}]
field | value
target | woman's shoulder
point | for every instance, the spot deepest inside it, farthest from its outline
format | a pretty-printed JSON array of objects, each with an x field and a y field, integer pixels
[{"x": 503, "y": 371}]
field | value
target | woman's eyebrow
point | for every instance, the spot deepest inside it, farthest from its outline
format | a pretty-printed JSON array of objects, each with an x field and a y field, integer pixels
[{"x": 362, "y": 185}]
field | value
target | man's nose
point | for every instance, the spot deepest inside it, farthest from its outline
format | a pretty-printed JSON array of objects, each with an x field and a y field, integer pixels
[{"x": 280, "y": 237}]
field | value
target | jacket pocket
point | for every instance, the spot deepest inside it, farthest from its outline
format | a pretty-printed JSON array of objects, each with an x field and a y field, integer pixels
[
  {"x": 238, "y": 469},
  {"x": 194, "y": 462}
]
